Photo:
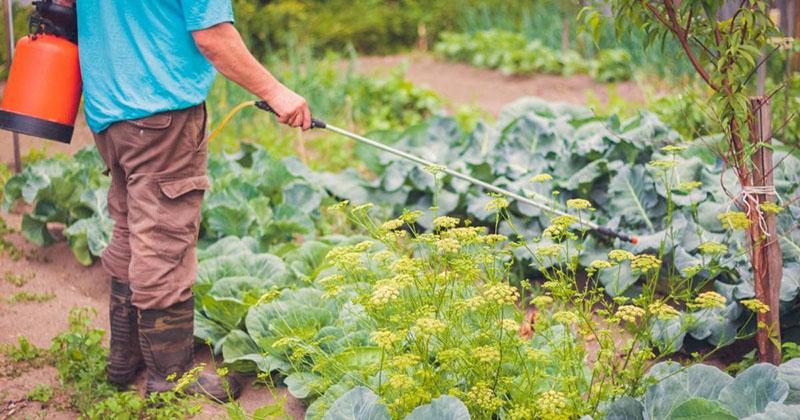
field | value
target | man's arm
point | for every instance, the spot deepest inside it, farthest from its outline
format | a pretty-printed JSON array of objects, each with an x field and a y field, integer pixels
[{"x": 224, "y": 48}]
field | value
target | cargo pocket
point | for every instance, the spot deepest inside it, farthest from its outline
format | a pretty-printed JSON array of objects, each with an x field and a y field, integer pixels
[
  {"x": 179, "y": 214},
  {"x": 153, "y": 122}
]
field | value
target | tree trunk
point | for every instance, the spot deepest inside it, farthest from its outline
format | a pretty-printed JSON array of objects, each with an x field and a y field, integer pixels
[{"x": 767, "y": 259}]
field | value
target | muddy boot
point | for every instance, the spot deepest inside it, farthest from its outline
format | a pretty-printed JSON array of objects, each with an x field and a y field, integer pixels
[
  {"x": 167, "y": 340},
  {"x": 125, "y": 357}
]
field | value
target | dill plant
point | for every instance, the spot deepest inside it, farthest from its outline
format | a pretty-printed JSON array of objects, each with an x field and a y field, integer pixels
[{"x": 445, "y": 314}]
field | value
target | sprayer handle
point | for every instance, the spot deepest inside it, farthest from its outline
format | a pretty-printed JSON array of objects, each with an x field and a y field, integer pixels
[
  {"x": 614, "y": 234},
  {"x": 315, "y": 123}
]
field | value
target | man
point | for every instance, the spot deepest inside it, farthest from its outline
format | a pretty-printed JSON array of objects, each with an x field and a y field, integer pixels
[{"x": 147, "y": 66}]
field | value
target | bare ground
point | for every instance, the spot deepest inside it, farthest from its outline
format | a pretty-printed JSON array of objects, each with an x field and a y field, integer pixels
[{"x": 55, "y": 270}]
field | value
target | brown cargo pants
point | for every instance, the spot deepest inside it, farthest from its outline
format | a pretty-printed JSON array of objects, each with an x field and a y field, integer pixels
[{"x": 158, "y": 178}]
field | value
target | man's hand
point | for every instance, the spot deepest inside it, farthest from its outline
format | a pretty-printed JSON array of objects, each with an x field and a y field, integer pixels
[
  {"x": 224, "y": 48},
  {"x": 290, "y": 107}
]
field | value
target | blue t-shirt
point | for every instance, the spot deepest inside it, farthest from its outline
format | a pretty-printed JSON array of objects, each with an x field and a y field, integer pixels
[{"x": 138, "y": 57}]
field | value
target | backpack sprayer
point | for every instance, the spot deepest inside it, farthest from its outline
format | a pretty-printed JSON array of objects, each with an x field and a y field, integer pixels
[
  {"x": 315, "y": 123},
  {"x": 44, "y": 84}
]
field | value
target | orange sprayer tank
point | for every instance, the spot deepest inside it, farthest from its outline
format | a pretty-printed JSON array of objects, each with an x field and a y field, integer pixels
[{"x": 44, "y": 84}]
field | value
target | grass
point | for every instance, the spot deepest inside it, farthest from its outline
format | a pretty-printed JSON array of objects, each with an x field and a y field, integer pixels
[
  {"x": 30, "y": 297},
  {"x": 18, "y": 280}
]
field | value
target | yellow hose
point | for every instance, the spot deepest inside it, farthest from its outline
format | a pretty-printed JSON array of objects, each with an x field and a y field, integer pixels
[{"x": 228, "y": 117}]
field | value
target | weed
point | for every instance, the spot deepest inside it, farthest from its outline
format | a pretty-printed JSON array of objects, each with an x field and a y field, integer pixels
[
  {"x": 18, "y": 280},
  {"x": 5, "y": 245},
  {"x": 29, "y": 297},
  {"x": 41, "y": 393},
  {"x": 20, "y": 358}
]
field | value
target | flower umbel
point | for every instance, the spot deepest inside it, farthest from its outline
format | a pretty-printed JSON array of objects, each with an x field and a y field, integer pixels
[
  {"x": 645, "y": 263},
  {"x": 709, "y": 300},
  {"x": 756, "y": 306},
  {"x": 712, "y": 248},
  {"x": 736, "y": 220},
  {"x": 579, "y": 204}
]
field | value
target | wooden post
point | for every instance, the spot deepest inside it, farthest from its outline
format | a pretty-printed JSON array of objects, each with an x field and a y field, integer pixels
[
  {"x": 9, "y": 19},
  {"x": 767, "y": 259}
]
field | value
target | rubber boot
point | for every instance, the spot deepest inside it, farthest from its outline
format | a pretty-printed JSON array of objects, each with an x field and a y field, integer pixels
[
  {"x": 167, "y": 340},
  {"x": 125, "y": 357}
]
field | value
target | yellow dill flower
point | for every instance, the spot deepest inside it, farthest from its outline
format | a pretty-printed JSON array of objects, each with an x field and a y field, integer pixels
[
  {"x": 501, "y": 294},
  {"x": 755, "y": 305},
  {"x": 472, "y": 303},
  {"x": 363, "y": 246},
  {"x": 339, "y": 206},
  {"x": 770, "y": 208},
  {"x": 392, "y": 224},
  {"x": 541, "y": 178},
  {"x": 629, "y": 313},
  {"x": 429, "y": 326},
  {"x": 564, "y": 221},
  {"x": 551, "y": 251},
  {"x": 401, "y": 382},
  {"x": 445, "y": 222},
  {"x": 600, "y": 264},
  {"x": 384, "y": 339},
  {"x": 551, "y": 403},
  {"x": 565, "y": 317},
  {"x": 383, "y": 294},
  {"x": 673, "y": 149},
  {"x": 709, "y": 300},
  {"x": 520, "y": 412},
  {"x": 689, "y": 186},
  {"x": 736, "y": 220},
  {"x": 662, "y": 164},
  {"x": 663, "y": 311},
  {"x": 410, "y": 216},
  {"x": 645, "y": 263},
  {"x": 537, "y": 355},
  {"x": 692, "y": 271},
  {"x": 509, "y": 325},
  {"x": 222, "y": 371},
  {"x": 496, "y": 204},
  {"x": 579, "y": 204},
  {"x": 404, "y": 361},
  {"x": 448, "y": 245},
  {"x": 712, "y": 248},
  {"x": 451, "y": 355},
  {"x": 486, "y": 354},
  {"x": 482, "y": 397},
  {"x": 494, "y": 239},
  {"x": 362, "y": 208},
  {"x": 542, "y": 301},
  {"x": 620, "y": 255}
]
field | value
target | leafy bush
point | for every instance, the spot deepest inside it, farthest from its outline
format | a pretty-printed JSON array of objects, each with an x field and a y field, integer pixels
[
  {"x": 512, "y": 53},
  {"x": 762, "y": 391},
  {"x": 71, "y": 192}
]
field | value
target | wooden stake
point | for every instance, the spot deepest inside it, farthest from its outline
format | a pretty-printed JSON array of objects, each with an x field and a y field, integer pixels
[{"x": 767, "y": 259}]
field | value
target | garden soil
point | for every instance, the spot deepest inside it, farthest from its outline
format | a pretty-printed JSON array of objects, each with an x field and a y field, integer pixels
[{"x": 55, "y": 270}]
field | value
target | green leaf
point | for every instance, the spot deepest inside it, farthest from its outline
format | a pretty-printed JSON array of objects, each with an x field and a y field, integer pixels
[
  {"x": 228, "y": 312},
  {"x": 632, "y": 195},
  {"x": 753, "y": 389},
  {"x": 302, "y": 384},
  {"x": 696, "y": 381},
  {"x": 624, "y": 408},
  {"x": 776, "y": 411},
  {"x": 36, "y": 231},
  {"x": 359, "y": 403},
  {"x": 701, "y": 409},
  {"x": 442, "y": 408}
]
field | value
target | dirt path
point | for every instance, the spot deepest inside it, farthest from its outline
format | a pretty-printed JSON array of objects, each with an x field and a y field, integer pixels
[
  {"x": 54, "y": 270},
  {"x": 462, "y": 84}
]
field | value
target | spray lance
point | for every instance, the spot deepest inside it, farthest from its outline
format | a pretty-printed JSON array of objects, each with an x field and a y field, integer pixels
[{"x": 319, "y": 124}]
